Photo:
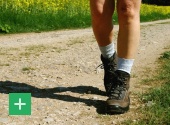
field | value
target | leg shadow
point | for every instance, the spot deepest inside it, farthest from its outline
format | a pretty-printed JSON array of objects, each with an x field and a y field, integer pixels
[{"x": 7, "y": 87}]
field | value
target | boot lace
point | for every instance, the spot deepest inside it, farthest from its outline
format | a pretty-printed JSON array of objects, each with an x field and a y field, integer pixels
[
  {"x": 109, "y": 69},
  {"x": 117, "y": 90}
]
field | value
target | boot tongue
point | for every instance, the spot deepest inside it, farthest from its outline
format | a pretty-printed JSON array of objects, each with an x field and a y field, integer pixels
[
  {"x": 106, "y": 60},
  {"x": 123, "y": 78}
]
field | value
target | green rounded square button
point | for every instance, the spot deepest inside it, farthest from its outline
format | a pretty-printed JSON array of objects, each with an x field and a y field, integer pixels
[{"x": 19, "y": 103}]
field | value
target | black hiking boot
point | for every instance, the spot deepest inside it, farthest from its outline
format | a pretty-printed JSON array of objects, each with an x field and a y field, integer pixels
[
  {"x": 118, "y": 101},
  {"x": 109, "y": 66}
]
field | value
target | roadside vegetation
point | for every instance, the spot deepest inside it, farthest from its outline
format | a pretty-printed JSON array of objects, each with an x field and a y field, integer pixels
[
  {"x": 44, "y": 15},
  {"x": 156, "y": 109}
]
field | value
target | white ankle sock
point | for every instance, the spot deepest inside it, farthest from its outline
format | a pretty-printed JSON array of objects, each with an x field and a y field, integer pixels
[
  {"x": 107, "y": 51},
  {"x": 125, "y": 64}
]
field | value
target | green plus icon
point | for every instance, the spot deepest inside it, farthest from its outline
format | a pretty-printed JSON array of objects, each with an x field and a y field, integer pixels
[{"x": 19, "y": 103}]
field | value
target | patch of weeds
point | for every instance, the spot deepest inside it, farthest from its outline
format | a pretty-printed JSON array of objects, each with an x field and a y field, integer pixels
[
  {"x": 128, "y": 122},
  {"x": 3, "y": 53},
  {"x": 75, "y": 41},
  {"x": 33, "y": 50},
  {"x": 36, "y": 48},
  {"x": 8, "y": 51},
  {"x": 57, "y": 49},
  {"x": 13, "y": 49},
  {"x": 165, "y": 55},
  {"x": 27, "y": 69},
  {"x": 25, "y": 54},
  {"x": 147, "y": 81},
  {"x": 4, "y": 28},
  {"x": 4, "y": 64}
]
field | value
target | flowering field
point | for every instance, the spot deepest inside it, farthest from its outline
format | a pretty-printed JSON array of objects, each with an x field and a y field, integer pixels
[
  {"x": 41, "y": 15},
  {"x": 35, "y": 15},
  {"x": 150, "y": 12}
]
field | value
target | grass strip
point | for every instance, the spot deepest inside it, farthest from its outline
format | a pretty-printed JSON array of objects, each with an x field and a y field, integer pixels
[
  {"x": 45, "y": 15},
  {"x": 157, "y": 100}
]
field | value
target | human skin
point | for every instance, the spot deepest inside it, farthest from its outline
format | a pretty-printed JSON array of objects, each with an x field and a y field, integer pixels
[{"x": 129, "y": 24}]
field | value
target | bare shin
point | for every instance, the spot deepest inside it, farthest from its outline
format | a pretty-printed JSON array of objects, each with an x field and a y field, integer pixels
[
  {"x": 129, "y": 27},
  {"x": 101, "y": 13}
]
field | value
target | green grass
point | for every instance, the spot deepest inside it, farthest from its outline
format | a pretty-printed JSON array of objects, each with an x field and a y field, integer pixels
[
  {"x": 157, "y": 100},
  {"x": 33, "y": 50},
  {"x": 153, "y": 12},
  {"x": 44, "y": 15}
]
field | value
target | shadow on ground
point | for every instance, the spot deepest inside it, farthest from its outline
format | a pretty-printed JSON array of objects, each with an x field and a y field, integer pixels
[{"x": 7, "y": 87}]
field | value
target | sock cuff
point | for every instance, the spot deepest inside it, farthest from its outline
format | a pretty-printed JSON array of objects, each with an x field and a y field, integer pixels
[
  {"x": 107, "y": 51},
  {"x": 125, "y": 64}
]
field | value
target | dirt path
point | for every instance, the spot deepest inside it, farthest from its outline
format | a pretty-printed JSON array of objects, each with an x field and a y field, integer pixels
[{"x": 59, "y": 69}]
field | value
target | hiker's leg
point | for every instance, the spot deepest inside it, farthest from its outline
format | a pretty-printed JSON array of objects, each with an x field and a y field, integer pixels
[
  {"x": 101, "y": 14},
  {"x": 128, "y": 40},
  {"x": 129, "y": 27}
]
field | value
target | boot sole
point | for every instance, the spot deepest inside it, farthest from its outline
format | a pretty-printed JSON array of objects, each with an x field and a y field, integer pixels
[{"x": 114, "y": 109}]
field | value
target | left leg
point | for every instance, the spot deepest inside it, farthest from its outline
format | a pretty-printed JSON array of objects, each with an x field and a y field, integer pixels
[
  {"x": 128, "y": 40},
  {"x": 129, "y": 27}
]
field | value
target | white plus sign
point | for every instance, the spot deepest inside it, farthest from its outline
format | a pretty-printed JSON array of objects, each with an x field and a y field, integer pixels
[{"x": 19, "y": 103}]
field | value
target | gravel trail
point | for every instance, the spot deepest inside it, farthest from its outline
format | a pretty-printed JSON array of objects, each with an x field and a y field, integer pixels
[{"x": 59, "y": 69}]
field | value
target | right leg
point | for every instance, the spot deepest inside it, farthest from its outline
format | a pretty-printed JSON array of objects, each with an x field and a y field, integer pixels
[
  {"x": 128, "y": 40},
  {"x": 101, "y": 13}
]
